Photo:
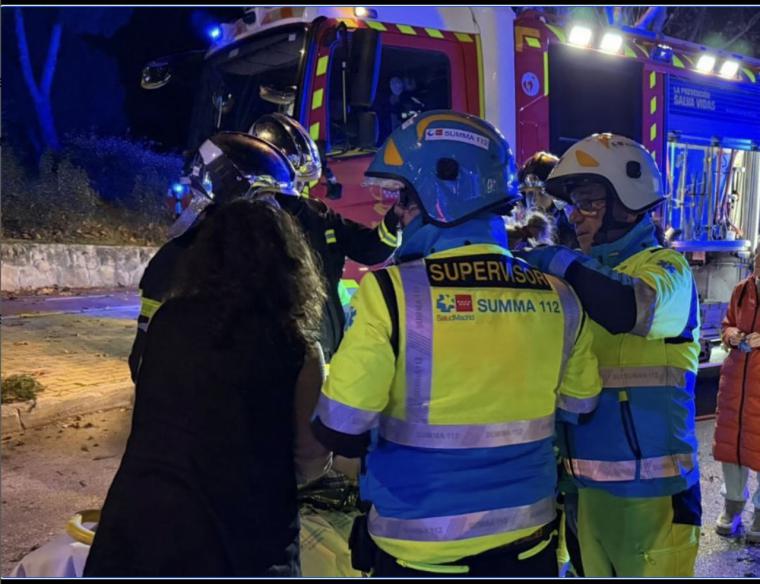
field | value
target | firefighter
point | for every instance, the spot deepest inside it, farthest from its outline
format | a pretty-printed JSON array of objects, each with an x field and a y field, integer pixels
[
  {"x": 635, "y": 459},
  {"x": 227, "y": 166},
  {"x": 331, "y": 236},
  {"x": 532, "y": 177},
  {"x": 455, "y": 360}
]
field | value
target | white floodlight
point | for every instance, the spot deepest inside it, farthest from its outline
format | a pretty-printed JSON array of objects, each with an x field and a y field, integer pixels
[
  {"x": 579, "y": 36},
  {"x": 611, "y": 42},
  {"x": 706, "y": 64},
  {"x": 729, "y": 69}
]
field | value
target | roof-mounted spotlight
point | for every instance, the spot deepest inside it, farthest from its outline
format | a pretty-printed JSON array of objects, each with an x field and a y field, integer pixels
[
  {"x": 580, "y": 36},
  {"x": 611, "y": 42},
  {"x": 662, "y": 53},
  {"x": 706, "y": 63},
  {"x": 729, "y": 69}
]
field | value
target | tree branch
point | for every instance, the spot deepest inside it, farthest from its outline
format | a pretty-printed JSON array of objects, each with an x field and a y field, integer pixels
[
  {"x": 52, "y": 57},
  {"x": 748, "y": 26},
  {"x": 23, "y": 56},
  {"x": 698, "y": 26}
]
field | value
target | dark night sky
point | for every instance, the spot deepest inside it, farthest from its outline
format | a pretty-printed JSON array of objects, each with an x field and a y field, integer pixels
[{"x": 97, "y": 73}]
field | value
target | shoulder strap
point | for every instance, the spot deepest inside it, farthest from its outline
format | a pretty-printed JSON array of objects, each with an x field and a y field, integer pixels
[{"x": 386, "y": 288}]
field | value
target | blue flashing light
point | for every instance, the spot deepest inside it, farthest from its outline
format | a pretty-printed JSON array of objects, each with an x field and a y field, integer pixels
[
  {"x": 215, "y": 33},
  {"x": 663, "y": 54},
  {"x": 178, "y": 188}
]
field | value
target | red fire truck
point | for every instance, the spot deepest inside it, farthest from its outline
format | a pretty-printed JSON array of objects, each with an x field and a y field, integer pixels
[{"x": 352, "y": 74}]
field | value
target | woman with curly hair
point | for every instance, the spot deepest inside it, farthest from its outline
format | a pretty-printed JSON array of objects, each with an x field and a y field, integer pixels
[{"x": 220, "y": 431}]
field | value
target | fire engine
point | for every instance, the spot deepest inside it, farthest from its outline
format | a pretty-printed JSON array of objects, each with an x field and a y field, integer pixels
[{"x": 352, "y": 74}]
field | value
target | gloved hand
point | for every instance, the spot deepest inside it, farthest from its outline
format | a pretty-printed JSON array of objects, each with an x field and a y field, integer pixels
[
  {"x": 553, "y": 259},
  {"x": 391, "y": 219}
]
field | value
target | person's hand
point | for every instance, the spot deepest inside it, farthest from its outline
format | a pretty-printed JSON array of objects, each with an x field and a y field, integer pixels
[
  {"x": 753, "y": 339},
  {"x": 554, "y": 259},
  {"x": 734, "y": 336}
]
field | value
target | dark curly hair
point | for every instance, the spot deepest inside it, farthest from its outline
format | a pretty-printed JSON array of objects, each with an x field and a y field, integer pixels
[{"x": 250, "y": 260}]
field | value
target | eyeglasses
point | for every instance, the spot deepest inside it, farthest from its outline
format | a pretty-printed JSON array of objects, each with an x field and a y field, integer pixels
[{"x": 586, "y": 207}]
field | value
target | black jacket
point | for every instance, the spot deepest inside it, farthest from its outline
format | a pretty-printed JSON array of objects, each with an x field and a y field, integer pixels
[
  {"x": 155, "y": 285},
  {"x": 207, "y": 484}
]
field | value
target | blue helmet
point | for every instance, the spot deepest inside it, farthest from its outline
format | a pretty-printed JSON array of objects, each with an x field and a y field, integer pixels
[{"x": 455, "y": 165}]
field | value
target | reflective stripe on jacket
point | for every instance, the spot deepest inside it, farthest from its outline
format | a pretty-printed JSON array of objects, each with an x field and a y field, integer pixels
[
  {"x": 488, "y": 350},
  {"x": 641, "y": 442}
]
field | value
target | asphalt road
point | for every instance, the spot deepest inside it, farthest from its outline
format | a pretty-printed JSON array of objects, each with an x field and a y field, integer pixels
[{"x": 111, "y": 303}]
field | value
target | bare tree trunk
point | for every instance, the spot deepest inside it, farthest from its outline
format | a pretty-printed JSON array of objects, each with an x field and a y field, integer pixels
[
  {"x": 698, "y": 25},
  {"x": 40, "y": 93}
]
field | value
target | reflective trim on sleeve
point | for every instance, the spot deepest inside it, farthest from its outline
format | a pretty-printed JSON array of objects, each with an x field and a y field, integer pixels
[
  {"x": 644, "y": 376},
  {"x": 419, "y": 340},
  {"x": 386, "y": 236},
  {"x": 330, "y": 236},
  {"x": 343, "y": 418},
  {"x": 465, "y": 526},
  {"x": 646, "y": 300},
  {"x": 148, "y": 307},
  {"x": 576, "y": 405},
  {"x": 422, "y": 435},
  {"x": 658, "y": 467},
  {"x": 571, "y": 311},
  {"x": 561, "y": 261}
]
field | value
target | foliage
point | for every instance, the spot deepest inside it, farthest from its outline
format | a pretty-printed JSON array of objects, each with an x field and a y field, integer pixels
[
  {"x": 18, "y": 388},
  {"x": 96, "y": 190}
]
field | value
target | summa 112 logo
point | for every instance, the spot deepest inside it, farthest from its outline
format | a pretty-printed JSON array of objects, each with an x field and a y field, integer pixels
[{"x": 455, "y": 307}]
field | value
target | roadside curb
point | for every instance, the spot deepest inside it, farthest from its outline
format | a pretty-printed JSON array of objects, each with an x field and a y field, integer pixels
[{"x": 18, "y": 417}]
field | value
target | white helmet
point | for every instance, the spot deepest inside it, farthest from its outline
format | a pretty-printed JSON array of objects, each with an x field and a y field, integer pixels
[{"x": 622, "y": 164}]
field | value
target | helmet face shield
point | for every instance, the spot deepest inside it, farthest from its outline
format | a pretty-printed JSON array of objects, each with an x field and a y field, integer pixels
[{"x": 386, "y": 190}]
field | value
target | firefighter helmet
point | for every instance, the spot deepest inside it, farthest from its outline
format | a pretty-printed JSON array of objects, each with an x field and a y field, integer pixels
[
  {"x": 623, "y": 165},
  {"x": 292, "y": 139},
  {"x": 230, "y": 165},
  {"x": 534, "y": 172},
  {"x": 455, "y": 165}
]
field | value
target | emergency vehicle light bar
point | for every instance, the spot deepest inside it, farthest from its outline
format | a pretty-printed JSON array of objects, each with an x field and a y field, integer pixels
[{"x": 362, "y": 12}]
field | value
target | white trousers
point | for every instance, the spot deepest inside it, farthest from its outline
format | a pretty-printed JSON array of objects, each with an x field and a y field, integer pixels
[{"x": 734, "y": 486}]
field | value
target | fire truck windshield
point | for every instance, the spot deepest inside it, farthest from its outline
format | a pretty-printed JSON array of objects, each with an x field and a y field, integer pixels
[{"x": 255, "y": 76}]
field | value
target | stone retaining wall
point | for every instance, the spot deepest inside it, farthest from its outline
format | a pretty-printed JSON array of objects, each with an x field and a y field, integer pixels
[{"x": 30, "y": 266}]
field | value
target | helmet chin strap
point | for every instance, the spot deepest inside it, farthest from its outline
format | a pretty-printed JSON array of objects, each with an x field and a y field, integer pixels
[{"x": 612, "y": 229}]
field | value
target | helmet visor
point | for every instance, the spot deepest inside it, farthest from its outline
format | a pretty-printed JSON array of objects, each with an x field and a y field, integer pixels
[{"x": 388, "y": 191}]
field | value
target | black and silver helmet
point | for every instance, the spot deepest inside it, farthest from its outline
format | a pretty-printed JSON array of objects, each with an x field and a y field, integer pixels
[
  {"x": 230, "y": 165},
  {"x": 292, "y": 139}
]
